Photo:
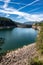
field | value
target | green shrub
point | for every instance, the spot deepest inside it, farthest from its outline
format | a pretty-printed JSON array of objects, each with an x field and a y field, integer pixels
[
  {"x": 41, "y": 51},
  {"x": 36, "y": 61},
  {"x": 39, "y": 43}
]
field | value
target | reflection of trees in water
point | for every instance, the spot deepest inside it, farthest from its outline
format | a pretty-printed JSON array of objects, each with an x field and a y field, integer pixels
[{"x": 2, "y": 40}]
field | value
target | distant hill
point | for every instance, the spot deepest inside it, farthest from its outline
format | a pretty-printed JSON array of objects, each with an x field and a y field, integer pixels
[
  {"x": 4, "y": 22},
  {"x": 30, "y": 22},
  {"x": 8, "y": 23}
]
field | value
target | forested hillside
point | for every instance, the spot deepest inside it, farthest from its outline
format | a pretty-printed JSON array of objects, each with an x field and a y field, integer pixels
[{"x": 6, "y": 22}]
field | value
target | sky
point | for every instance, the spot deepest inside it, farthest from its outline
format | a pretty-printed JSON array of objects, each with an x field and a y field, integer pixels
[{"x": 22, "y": 10}]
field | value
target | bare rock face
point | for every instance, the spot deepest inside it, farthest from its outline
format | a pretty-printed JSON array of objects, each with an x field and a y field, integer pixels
[{"x": 20, "y": 57}]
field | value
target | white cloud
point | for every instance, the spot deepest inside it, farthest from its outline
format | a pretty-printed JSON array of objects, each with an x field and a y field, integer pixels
[
  {"x": 6, "y": 3},
  {"x": 26, "y": 16},
  {"x": 7, "y": 10},
  {"x": 21, "y": 15},
  {"x": 28, "y": 4},
  {"x": 5, "y": 6},
  {"x": 7, "y": 15}
]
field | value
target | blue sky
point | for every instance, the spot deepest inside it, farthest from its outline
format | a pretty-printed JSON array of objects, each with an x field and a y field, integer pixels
[{"x": 22, "y": 10}]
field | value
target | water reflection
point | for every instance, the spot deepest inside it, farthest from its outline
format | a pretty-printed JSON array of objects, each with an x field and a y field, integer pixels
[
  {"x": 2, "y": 40},
  {"x": 16, "y": 38}
]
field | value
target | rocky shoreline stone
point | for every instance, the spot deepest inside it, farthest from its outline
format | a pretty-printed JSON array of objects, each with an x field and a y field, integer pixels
[{"x": 22, "y": 56}]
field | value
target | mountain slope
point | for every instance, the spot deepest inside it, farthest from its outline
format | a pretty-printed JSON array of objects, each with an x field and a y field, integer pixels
[{"x": 4, "y": 22}]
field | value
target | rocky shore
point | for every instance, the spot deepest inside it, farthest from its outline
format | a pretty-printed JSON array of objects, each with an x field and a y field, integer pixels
[{"x": 22, "y": 56}]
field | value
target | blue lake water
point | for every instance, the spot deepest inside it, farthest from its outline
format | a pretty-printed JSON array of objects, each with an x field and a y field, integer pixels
[{"x": 17, "y": 37}]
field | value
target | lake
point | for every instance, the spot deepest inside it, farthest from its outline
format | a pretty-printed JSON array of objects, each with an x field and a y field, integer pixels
[{"x": 17, "y": 37}]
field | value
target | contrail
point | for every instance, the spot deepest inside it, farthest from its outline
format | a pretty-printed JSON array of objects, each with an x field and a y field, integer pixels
[
  {"x": 14, "y": 3},
  {"x": 34, "y": 9},
  {"x": 17, "y": 3},
  {"x": 28, "y": 4}
]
